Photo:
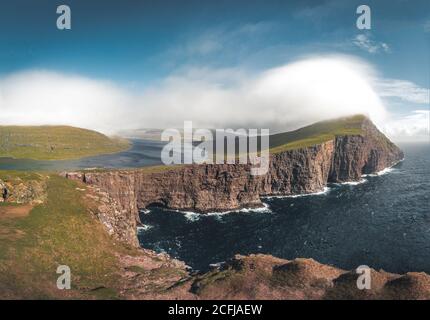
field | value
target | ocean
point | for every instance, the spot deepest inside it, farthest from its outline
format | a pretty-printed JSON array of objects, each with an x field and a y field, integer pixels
[{"x": 383, "y": 222}]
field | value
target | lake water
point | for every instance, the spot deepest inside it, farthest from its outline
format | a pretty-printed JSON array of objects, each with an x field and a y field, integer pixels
[
  {"x": 142, "y": 153},
  {"x": 383, "y": 222}
]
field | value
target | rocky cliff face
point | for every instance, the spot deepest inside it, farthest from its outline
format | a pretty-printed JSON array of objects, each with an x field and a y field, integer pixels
[
  {"x": 362, "y": 154},
  {"x": 224, "y": 187}
]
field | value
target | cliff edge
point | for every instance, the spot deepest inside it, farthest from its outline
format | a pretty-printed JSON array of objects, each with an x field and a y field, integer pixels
[{"x": 301, "y": 162}]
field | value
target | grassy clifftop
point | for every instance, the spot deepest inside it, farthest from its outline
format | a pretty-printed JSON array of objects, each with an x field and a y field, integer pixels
[
  {"x": 316, "y": 133},
  {"x": 36, "y": 238},
  {"x": 55, "y": 142}
]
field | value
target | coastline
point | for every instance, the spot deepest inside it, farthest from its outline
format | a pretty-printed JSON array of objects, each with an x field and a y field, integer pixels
[{"x": 265, "y": 207}]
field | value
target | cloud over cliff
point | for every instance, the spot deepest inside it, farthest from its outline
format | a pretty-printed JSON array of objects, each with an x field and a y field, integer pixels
[{"x": 281, "y": 98}]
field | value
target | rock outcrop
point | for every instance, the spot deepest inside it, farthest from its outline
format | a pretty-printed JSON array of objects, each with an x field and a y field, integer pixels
[
  {"x": 22, "y": 192},
  {"x": 263, "y": 277},
  {"x": 266, "y": 277},
  {"x": 3, "y": 191},
  {"x": 223, "y": 187}
]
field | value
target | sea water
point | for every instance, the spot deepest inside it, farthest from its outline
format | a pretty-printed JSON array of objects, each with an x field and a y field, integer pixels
[{"x": 383, "y": 222}]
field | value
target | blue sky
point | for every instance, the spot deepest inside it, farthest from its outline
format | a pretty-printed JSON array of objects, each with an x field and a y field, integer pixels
[
  {"x": 138, "y": 44},
  {"x": 134, "y": 37}
]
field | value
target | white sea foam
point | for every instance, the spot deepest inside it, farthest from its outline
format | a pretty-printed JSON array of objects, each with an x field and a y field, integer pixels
[
  {"x": 380, "y": 173},
  {"x": 264, "y": 209},
  {"x": 352, "y": 183},
  {"x": 325, "y": 191},
  {"x": 217, "y": 264},
  {"x": 191, "y": 216},
  {"x": 195, "y": 216},
  {"x": 383, "y": 171},
  {"x": 144, "y": 227}
]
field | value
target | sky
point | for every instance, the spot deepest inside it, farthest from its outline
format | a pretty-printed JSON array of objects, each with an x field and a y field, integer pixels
[{"x": 266, "y": 64}]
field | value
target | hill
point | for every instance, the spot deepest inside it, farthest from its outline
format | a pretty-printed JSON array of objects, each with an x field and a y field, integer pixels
[
  {"x": 313, "y": 134},
  {"x": 55, "y": 142},
  {"x": 317, "y": 133}
]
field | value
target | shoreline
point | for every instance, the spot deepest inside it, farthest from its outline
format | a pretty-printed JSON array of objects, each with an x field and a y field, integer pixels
[
  {"x": 265, "y": 207},
  {"x": 195, "y": 216}
]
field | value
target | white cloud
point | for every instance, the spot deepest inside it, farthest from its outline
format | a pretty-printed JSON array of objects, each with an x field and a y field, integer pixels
[
  {"x": 404, "y": 90},
  {"x": 281, "y": 99},
  {"x": 427, "y": 26},
  {"x": 219, "y": 40},
  {"x": 41, "y": 97},
  {"x": 365, "y": 43},
  {"x": 412, "y": 127}
]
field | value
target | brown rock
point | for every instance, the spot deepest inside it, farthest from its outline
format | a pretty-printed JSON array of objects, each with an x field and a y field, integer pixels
[
  {"x": 412, "y": 285},
  {"x": 266, "y": 277},
  {"x": 4, "y": 192}
]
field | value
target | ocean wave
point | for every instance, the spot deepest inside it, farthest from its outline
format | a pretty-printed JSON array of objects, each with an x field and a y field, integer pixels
[
  {"x": 351, "y": 183},
  {"x": 384, "y": 171},
  {"x": 195, "y": 216},
  {"x": 217, "y": 264},
  {"x": 380, "y": 173},
  {"x": 144, "y": 227},
  {"x": 325, "y": 191},
  {"x": 191, "y": 216},
  {"x": 264, "y": 209}
]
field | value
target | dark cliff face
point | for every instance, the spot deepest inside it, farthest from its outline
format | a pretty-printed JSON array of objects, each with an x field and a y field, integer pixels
[
  {"x": 206, "y": 188},
  {"x": 362, "y": 154},
  {"x": 298, "y": 171}
]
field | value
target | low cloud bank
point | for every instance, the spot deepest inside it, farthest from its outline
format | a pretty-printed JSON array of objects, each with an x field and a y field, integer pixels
[
  {"x": 281, "y": 99},
  {"x": 414, "y": 127}
]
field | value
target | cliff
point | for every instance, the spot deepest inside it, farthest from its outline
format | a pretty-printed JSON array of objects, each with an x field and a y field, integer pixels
[{"x": 205, "y": 188}]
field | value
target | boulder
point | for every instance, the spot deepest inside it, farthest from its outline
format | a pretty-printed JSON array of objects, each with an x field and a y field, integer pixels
[{"x": 4, "y": 192}]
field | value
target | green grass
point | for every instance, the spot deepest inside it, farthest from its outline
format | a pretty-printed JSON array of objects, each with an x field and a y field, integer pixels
[
  {"x": 63, "y": 142},
  {"x": 149, "y": 169},
  {"x": 55, "y": 142},
  {"x": 64, "y": 231},
  {"x": 14, "y": 175},
  {"x": 59, "y": 232},
  {"x": 311, "y": 135},
  {"x": 316, "y": 133}
]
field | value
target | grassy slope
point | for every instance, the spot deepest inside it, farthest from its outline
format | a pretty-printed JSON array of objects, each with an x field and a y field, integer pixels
[
  {"x": 316, "y": 133},
  {"x": 55, "y": 142},
  {"x": 63, "y": 142},
  {"x": 313, "y": 134},
  {"x": 60, "y": 231}
]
